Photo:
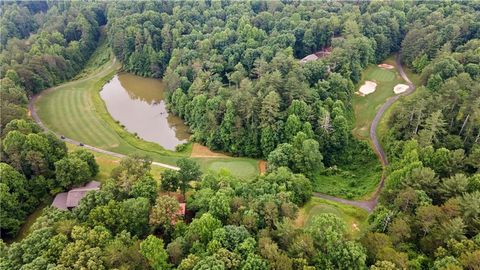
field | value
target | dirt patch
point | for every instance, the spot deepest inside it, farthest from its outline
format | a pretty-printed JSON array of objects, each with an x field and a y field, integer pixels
[
  {"x": 300, "y": 220},
  {"x": 262, "y": 166},
  {"x": 199, "y": 150},
  {"x": 400, "y": 88},
  {"x": 386, "y": 66},
  {"x": 367, "y": 88}
]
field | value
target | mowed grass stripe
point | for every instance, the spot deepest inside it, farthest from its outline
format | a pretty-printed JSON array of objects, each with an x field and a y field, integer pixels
[
  {"x": 76, "y": 123},
  {"x": 52, "y": 111},
  {"x": 86, "y": 125},
  {"x": 66, "y": 120},
  {"x": 56, "y": 110},
  {"x": 73, "y": 112},
  {"x": 104, "y": 136},
  {"x": 110, "y": 136}
]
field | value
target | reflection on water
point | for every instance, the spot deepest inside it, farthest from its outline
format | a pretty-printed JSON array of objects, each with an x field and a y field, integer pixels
[{"x": 138, "y": 104}]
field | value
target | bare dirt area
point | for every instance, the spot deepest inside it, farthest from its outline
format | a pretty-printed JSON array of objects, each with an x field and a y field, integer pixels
[
  {"x": 386, "y": 66},
  {"x": 199, "y": 150},
  {"x": 262, "y": 166}
]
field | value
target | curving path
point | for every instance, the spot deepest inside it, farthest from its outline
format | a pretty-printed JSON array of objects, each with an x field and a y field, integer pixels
[
  {"x": 34, "y": 115},
  {"x": 369, "y": 205}
]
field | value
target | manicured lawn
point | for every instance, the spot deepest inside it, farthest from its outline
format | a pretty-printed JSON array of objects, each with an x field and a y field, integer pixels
[
  {"x": 355, "y": 218},
  {"x": 365, "y": 107},
  {"x": 382, "y": 127},
  {"x": 239, "y": 167},
  {"x": 76, "y": 110},
  {"x": 352, "y": 182}
]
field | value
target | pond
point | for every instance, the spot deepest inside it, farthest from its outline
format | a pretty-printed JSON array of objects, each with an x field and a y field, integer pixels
[{"x": 138, "y": 104}]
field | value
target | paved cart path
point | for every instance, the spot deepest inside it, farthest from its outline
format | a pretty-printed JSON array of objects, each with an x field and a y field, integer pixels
[{"x": 369, "y": 205}]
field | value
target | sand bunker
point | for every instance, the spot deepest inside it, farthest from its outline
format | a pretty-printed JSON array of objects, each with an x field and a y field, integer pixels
[
  {"x": 367, "y": 88},
  {"x": 386, "y": 66},
  {"x": 400, "y": 88}
]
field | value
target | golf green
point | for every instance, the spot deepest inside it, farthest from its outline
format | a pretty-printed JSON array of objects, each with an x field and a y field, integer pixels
[{"x": 365, "y": 107}]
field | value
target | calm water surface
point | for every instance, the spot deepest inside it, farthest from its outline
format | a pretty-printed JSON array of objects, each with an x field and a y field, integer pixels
[{"x": 138, "y": 103}]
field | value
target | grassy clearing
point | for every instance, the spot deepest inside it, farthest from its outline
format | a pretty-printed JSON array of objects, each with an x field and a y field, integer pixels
[
  {"x": 355, "y": 181},
  {"x": 355, "y": 218},
  {"x": 366, "y": 107},
  {"x": 239, "y": 167}
]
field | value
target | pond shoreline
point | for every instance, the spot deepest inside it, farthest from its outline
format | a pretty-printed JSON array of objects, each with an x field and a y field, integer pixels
[{"x": 138, "y": 105}]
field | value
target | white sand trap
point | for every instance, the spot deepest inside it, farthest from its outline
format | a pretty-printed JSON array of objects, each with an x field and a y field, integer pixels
[
  {"x": 400, "y": 88},
  {"x": 386, "y": 66},
  {"x": 367, "y": 88}
]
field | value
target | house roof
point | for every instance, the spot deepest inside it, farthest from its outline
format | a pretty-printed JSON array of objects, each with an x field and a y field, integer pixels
[
  {"x": 72, "y": 198},
  {"x": 60, "y": 200},
  {"x": 92, "y": 184}
]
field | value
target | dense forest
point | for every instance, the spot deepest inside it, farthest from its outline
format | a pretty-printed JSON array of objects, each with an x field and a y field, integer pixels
[
  {"x": 237, "y": 65},
  {"x": 233, "y": 74}
]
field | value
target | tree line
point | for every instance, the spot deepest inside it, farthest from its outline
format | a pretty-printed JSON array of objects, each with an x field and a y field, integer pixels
[
  {"x": 429, "y": 210},
  {"x": 43, "y": 44},
  {"x": 51, "y": 45},
  {"x": 232, "y": 69}
]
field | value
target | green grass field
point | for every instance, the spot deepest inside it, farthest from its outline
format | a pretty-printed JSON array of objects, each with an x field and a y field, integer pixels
[
  {"x": 366, "y": 107},
  {"x": 76, "y": 110},
  {"x": 355, "y": 181},
  {"x": 107, "y": 163},
  {"x": 355, "y": 218},
  {"x": 239, "y": 167}
]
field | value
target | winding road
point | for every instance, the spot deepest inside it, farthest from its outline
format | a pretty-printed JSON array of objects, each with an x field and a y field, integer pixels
[
  {"x": 34, "y": 115},
  {"x": 369, "y": 205}
]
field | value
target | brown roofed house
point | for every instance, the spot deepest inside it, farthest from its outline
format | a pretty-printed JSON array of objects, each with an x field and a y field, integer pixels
[
  {"x": 60, "y": 201},
  {"x": 71, "y": 199}
]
